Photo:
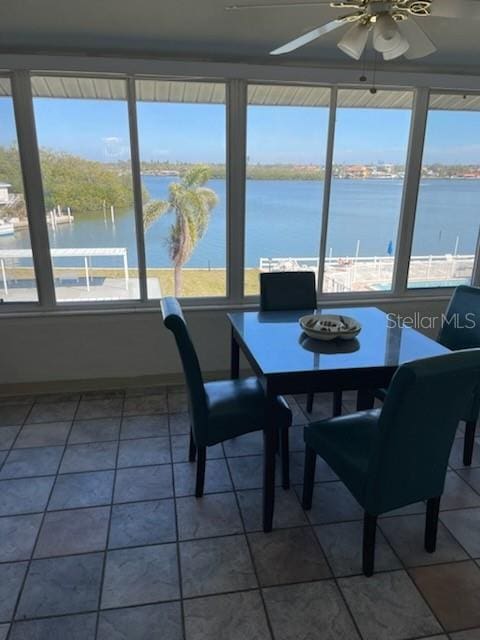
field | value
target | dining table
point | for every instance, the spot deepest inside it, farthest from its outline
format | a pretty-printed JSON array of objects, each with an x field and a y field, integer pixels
[{"x": 287, "y": 362}]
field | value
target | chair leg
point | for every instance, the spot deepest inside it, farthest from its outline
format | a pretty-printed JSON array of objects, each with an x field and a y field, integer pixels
[
  {"x": 431, "y": 524},
  {"x": 365, "y": 400},
  {"x": 309, "y": 402},
  {"x": 369, "y": 531},
  {"x": 469, "y": 443},
  {"x": 337, "y": 403},
  {"x": 202, "y": 454},
  {"x": 192, "y": 449},
  {"x": 308, "y": 477},
  {"x": 285, "y": 453}
]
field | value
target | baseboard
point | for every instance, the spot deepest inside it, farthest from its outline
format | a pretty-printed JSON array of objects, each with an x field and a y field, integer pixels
[{"x": 103, "y": 384}]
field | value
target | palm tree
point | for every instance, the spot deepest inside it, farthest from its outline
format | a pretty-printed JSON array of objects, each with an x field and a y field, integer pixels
[{"x": 192, "y": 204}]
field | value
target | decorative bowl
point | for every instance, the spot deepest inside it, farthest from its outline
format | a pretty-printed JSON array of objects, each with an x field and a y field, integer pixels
[
  {"x": 329, "y": 327},
  {"x": 332, "y": 348}
]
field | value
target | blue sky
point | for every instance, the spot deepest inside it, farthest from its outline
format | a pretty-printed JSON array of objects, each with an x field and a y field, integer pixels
[{"x": 196, "y": 133}]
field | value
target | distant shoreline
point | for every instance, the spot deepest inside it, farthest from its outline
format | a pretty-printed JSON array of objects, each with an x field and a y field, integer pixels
[
  {"x": 316, "y": 172},
  {"x": 310, "y": 178}
]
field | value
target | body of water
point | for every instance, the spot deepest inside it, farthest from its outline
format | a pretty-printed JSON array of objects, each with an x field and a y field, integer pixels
[{"x": 283, "y": 219}]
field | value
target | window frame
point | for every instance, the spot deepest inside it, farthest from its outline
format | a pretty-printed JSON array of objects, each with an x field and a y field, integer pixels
[
  {"x": 33, "y": 192},
  {"x": 406, "y": 291},
  {"x": 408, "y": 187},
  {"x": 236, "y": 83},
  {"x": 324, "y": 209},
  {"x": 233, "y": 116}
]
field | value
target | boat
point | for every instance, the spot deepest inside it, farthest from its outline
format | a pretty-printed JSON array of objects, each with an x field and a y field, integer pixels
[{"x": 6, "y": 228}]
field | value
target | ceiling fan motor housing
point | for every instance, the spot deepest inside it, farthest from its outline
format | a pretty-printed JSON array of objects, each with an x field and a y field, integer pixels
[
  {"x": 398, "y": 8},
  {"x": 375, "y": 7}
]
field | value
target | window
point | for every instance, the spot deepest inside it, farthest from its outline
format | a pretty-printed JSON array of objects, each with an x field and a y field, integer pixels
[
  {"x": 448, "y": 207},
  {"x": 83, "y": 134},
  {"x": 182, "y": 140},
  {"x": 17, "y": 276},
  {"x": 286, "y": 145},
  {"x": 91, "y": 171},
  {"x": 371, "y": 141}
]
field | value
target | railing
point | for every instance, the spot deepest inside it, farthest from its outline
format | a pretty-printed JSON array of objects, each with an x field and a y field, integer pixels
[
  {"x": 360, "y": 272},
  {"x": 289, "y": 264},
  {"x": 86, "y": 254}
]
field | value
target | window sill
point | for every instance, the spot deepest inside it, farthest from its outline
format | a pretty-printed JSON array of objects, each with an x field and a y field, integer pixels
[{"x": 207, "y": 305}]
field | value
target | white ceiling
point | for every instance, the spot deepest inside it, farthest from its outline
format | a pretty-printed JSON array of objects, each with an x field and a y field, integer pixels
[{"x": 203, "y": 29}]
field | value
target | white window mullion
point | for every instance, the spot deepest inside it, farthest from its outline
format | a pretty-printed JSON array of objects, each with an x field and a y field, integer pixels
[
  {"x": 413, "y": 172},
  {"x": 33, "y": 186},
  {"x": 236, "y": 176},
  {"x": 137, "y": 188},
  {"x": 327, "y": 187}
]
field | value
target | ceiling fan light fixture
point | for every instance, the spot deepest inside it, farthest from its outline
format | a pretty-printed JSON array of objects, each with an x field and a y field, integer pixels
[
  {"x": 403, "y": 47},
  {"x": 386, "y": 35},
  {"x": 354, "y": 41}
]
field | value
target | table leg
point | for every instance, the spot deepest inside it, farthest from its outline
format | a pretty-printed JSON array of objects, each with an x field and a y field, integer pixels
[
  {"x": 365, "y": 400},
  {"x": 337, "y": 403},
  {"x": 269, "y": 447},
  {"x": 234, "y": 359}
]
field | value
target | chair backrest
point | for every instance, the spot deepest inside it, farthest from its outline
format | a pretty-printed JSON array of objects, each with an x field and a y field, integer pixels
[
  {"x": 461, "y": 323},
  {"x": 417, "y": 426},
  {"x": 174, "y": 321},
  {"x": 287, "y": 290}
]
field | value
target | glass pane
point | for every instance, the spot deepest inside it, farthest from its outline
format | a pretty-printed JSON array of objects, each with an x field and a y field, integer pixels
[
  {"x": 448, "y": 208},
  {"x": 371, "y": 140},
  {"x": 83, "y": 133},
  {"x": 17, "y": 276},
  {"x": 286, "y": 144},
  {"x": 181, "y": 129}
]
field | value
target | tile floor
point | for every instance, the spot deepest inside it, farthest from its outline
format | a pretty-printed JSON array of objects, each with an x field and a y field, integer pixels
[{"x": 101, "y": 537}]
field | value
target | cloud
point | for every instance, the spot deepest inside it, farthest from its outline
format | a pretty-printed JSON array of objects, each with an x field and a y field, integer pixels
[
  {"x": 111, "y": 140},
  {"x": 114, "y": 147}
]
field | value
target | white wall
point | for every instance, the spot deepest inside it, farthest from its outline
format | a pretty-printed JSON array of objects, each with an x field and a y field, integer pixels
[{"x": 58, "y": 349}]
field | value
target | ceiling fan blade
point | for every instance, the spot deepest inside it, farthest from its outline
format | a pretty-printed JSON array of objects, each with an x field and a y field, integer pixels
[
  {"x": 276, "y": 5},
  {"x": 468, "y": 9},
  {"x": 308, "y": 37},
  {"x": 420, "y": 43}
]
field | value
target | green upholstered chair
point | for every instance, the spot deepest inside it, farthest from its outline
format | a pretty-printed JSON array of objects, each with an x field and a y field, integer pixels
[
  {"x": 395, "y": 456},
  {"x": 289, "y": 291},
  {"x": 460, "y": 329},
  {"x": 219, "y": 410}
]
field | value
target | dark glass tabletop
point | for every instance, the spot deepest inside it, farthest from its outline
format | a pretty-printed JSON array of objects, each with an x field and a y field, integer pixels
[{"x": 275, "y": 342}]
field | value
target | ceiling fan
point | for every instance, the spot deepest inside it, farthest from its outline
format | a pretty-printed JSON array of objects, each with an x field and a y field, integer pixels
[{"x": 395, "y": 32}]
